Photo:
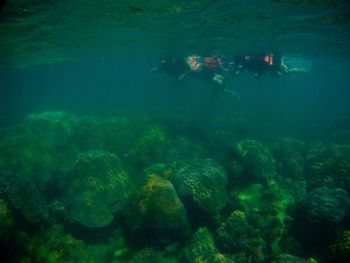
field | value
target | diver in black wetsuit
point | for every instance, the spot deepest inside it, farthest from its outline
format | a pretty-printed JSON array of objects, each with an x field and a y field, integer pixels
[
  {"x": 174, "y": 67},
  {"x": 259, "y": 64},
  {"x": 208, "y": 69}
]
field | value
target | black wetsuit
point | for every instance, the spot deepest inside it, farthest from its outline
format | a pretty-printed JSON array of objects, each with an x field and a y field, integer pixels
[
  {"x": 177, "y": 67},
  {"x": 257, "y": 64},
  {"x": 212, "y": 73}
]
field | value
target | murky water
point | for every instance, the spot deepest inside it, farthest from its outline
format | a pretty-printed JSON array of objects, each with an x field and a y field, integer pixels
[{"x": 240, "y": 153}]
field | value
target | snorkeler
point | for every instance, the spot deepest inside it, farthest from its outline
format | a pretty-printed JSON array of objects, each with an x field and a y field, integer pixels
[
  {"x": 260, "y": 64},
  {"x": 208, "y": 69},
  {"x": 202, "y": 68}
]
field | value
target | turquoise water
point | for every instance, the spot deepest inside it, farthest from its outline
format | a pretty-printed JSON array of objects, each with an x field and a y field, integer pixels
[{"x": 105, "y": 159}]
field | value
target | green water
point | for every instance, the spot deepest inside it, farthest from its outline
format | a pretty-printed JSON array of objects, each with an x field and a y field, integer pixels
[{"x": 105, "y": 159}]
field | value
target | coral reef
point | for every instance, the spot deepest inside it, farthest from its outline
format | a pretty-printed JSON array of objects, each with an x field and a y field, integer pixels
[
  {"x": 236, "y": 235},
  {"x": 114, "y": 134},
  {"x": 129, "y": 188},
  {"x": 340, "y": 250},
  {"x": 202, "y": 182},
  {"x": 328, "y": 166},
  {"x": 324, "y": 205},
  {"x": 219, "y": 258},
  {"x": 290, "y": 155},
  {"x": 317, "y": 219},
  {"x": 90, "y": 210},
  {"x": 93, "y": 179},
  {"x": 233, "y": 232},
  {"x": 29, "y": 157},
  {"x": 55, "y": 246},
  {"x": 24, "y": 197},
  {"x": 146, "y": 255},
  {"x": 200, "y": 248},
  {"x": 160, "y": 169},
  {"x": 36, "y": 149},
  {"x": 55, "y": 128},
  {"x": 252, "y": 162},
  {"x": 156, "y": 205},
  {"x": 149, "y": 146},
  {"x": 286, "y": 258}
]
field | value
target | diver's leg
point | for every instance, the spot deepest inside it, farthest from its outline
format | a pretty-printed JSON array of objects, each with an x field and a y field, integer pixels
[
  {"x": 218, "y": 79},
  {"x": 233, "y": 93},
  {"x": 222, "y": 86}
]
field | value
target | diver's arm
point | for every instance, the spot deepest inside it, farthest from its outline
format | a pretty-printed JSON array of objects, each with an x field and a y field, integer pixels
[
  {"x": 182, "y": 76},
  {"x": 286, "y": 70},
  {"x": 297, "y": 70},
  {"x": 233, "y": 93}
]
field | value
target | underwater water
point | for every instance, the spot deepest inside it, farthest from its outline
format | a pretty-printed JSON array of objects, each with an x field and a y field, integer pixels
[{"x": 107, "y": 155}]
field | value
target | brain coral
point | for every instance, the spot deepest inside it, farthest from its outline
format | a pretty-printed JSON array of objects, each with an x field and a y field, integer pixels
[
  {"x": 89, "y": 210},
  {"x": 203, "y": 182},
  {"x": 156, "y": 205},
  {"x": 101, "y": 175},
  {"x": 200, "y": 248},
  {"x": 324, "y": 205}
]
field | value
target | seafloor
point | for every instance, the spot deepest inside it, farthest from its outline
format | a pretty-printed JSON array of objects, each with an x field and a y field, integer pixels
[{"x": 133, "y": 188}]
